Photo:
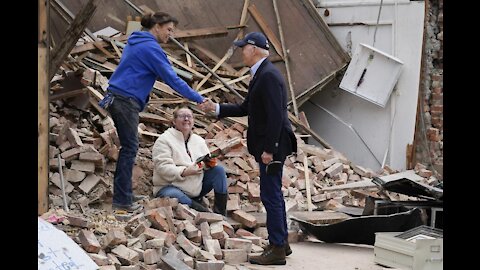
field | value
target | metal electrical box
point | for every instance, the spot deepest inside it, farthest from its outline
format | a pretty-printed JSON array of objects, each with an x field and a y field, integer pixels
[
  {"x": 417, "y": 252},
  {"x": 371, "y": 74}
]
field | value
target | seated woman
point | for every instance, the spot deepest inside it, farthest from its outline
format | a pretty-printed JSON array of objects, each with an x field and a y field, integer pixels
[{"x": 176, "y": 173}]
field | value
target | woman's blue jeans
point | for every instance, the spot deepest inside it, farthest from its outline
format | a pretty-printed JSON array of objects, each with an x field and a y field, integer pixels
[
  {"x": 214, "y": 178},
  {"x": 125, "y": 115}
]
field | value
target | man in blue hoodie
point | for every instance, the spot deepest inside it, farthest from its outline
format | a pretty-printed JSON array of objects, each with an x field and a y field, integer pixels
[{"x": 143, "y": 61}]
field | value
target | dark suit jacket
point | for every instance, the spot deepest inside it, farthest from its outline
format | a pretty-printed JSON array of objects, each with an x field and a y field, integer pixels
[{"x": 269, "y": 129}]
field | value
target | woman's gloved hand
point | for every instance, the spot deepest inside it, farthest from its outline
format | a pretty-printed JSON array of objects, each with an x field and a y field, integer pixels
[{"x": 212, "y": 162}]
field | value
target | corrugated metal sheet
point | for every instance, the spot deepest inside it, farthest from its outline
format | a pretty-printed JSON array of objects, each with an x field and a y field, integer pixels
[{"x": 314, "y": 54}]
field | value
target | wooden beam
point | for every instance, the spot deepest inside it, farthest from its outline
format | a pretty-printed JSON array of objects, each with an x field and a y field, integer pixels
[
  {"x": 212, "y": 56},
  {"x": 299, "y": 124},
  {"x": 208, "y": 90},
  {"x": 66, "y": 94},
  {"x": 68, "y": 16},
  {"x": 307, "y": 183},
  {"x": 90, "y": 46},
  {"x": 42, "y": 108},
  {"x": 229, "y": 53},
  {"x": 153, "y": 118},
  {"x": 201, "y": 33},
  {"x": 189, "y": 58},
  {"x": 266, "y": 29},
  {"x": 73, "y": 33},
  {"x": 243, "y": 17},
  {"x": 225, "y": 57},
  {"x": 285, "y": 54}
]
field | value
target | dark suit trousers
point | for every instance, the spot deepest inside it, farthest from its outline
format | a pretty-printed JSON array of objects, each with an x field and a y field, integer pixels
[{"x": 272, "y": 198}]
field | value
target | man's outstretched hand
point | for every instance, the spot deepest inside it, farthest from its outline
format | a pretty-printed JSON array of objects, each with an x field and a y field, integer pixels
[{"x": 207, "y": 106}]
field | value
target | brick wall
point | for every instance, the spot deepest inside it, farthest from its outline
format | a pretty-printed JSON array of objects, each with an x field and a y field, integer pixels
[{"x": 429, "y": 127}]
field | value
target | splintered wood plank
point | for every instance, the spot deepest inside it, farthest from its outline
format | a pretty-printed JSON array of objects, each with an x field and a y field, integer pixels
[
  {"x": 186, "y": 67},
  {"x": 43, "y": 129},
  {"x": 219, "y": 86},
  {"x": 229, "y": 53},
  {"x": 266, "y": 29},
  {"x": 94, "y": 45},
  {"x": 243, "y": 17},
  {"x": 208, "y": 32},
  {"x": 310, "y": 131},
  {"x": 166, "y": 101},
  {"x": 189, "y": 58},
  {"x": 146, "y": 9},
  {"x": 225, "y": 57},
  {"x": 66, "y": 94},
  {"x": 320, "y": 217},
  {"x": 96, "y": 57},
  {"x": 212, "y": 56},
  {"x": 153, "y": 118},
  {"x": 115, "y": 47},
  {"x": 95, "y": 93},
  {"x": 73, "y": 33},
  {"x": 365, "y": 184},
  {"x": 148, "y": 133},
  {"x": 222, "y": 73},
  {"x": 307, "y": 183},
  {"x": 284, "y": 51}
]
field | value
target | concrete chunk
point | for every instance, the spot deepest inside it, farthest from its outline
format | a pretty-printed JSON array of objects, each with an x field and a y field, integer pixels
[
  {"x": 245, "y": 218},
  {"x": 84, "y": 166},
  {"x": 89, "y": 183},
  {"x": 151, "y": 256},
  {"x": 125, "y": 255},
  {"x": 88, "y": 241},
  {"x": 216, "y": 265},
  {"x": 238, "y": 243},
  {"x": 233, "y": 256}
]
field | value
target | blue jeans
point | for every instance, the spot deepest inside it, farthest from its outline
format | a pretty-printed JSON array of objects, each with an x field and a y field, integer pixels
[
  {"x": 272, "y": 198},
  {"x": 214, "y": 178},
  {"x": 125, "y": 115}
]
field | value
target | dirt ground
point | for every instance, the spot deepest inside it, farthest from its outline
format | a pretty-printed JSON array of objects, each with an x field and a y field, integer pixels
[{"x": 314, "y": 254}]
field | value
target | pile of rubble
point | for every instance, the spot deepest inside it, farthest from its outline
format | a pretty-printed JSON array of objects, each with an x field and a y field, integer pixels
[{"x": 84, "y": 147}]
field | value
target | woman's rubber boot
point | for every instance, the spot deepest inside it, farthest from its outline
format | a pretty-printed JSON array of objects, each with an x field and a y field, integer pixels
[
  {"x": 199, "y": 207},
  {"x": 220, "y": 204}
]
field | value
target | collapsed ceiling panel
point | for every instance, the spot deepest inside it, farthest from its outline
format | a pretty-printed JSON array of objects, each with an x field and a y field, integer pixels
[{"x": 313, "y": 53}]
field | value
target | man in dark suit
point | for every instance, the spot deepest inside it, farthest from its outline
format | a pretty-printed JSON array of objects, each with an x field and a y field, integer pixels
[{"x": 270, "y": 138}]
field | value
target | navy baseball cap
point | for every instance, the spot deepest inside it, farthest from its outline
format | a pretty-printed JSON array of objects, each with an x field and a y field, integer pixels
[{"x": 254, "y": 38}]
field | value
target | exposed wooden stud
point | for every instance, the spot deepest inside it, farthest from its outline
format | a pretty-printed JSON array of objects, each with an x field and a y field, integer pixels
[
  {"x": 307, "y": 183},
  {"x": 189, "y": 58},
  {"x": 43, "y": 87},
  {"x": 208, "y": 90},
  {"x": 285, "y": 54}
]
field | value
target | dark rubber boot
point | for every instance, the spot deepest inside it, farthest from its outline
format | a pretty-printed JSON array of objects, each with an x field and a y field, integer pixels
[
  {"x": 272, "y": 255},
  {"x": 199, "y": 207},
  {"x": 220, "y": 204}
]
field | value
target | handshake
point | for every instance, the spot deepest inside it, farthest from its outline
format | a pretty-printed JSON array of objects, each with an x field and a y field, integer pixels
[{"x": 208, "y": 106}]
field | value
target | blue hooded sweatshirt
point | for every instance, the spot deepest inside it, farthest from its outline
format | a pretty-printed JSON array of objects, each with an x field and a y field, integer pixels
[{"x": 143, "y": 61}]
